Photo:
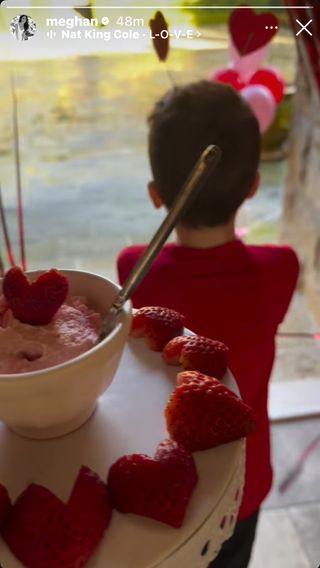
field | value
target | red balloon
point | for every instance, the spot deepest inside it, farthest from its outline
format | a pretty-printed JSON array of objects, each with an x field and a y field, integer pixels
[
  {"x": 229, "y": 77},
  {"x": 272, "y": 79}
]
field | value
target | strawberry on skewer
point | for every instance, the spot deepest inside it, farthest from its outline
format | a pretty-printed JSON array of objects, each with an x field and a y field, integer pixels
[{"x": 35, "y": 302}]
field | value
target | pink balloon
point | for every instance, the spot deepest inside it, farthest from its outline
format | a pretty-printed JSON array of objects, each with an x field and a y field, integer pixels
[
  {"x": 271, "y": 78},
  {"x": 262, "y": 103},
  {"x": 228, "y": 76},
  {"x": 246, "y": 65}
]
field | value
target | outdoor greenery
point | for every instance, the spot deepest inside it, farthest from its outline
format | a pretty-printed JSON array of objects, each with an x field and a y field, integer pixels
[{"x": 207, "y": 17}]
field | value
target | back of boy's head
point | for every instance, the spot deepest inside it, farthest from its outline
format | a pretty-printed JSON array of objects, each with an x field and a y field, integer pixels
[{"x": 182, "y": 124}]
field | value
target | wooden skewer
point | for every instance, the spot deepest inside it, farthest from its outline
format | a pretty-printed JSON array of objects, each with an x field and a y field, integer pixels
[
  {"x": 6, "y": 232},
  {"x": 170, "y": 75},
  {"x": 18, "y": 174},
  {"x": 302, "y": 334},
  {"x": 295, "y": 471},
  {"x": 1, "y": 266}
]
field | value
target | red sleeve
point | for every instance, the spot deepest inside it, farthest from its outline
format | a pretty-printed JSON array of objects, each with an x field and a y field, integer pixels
[
  {"x": 286, "y": 277},
  {"x": 280, "y": 270}
]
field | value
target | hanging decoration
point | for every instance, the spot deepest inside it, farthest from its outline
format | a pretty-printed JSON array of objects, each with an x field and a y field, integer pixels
[
  {"x": 262, "y": 87},
  {"x": 161, "y": 41}
]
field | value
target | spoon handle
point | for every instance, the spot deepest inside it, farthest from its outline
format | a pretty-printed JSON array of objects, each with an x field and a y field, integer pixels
[{"x": 203, "y": 168}]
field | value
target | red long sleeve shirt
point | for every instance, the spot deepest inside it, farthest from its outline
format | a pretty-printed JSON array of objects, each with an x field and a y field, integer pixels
[{"x": 237, "y": 294}]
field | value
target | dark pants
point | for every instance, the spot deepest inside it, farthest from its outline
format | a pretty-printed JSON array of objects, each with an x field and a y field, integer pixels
[{"x": 236, "y": 552}]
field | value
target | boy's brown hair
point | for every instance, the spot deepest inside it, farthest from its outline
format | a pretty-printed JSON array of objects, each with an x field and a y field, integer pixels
[{"x": 182, "y": 124}]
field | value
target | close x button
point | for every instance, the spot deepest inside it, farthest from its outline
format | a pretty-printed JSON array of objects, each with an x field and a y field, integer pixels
[{"x": 304, "y": 27}]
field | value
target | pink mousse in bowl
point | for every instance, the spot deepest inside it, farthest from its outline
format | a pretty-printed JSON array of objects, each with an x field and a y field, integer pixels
[
  {"x": 52, "y": 375},
  {"x": 24, "y": 348}
]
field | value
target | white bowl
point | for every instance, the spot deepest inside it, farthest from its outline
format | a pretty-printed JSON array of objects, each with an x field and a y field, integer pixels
[{"x": 55, "y": 401}]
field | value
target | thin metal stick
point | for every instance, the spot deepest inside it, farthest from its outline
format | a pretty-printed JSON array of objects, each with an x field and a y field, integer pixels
[
  {"x": 6, "y": 232},
  {"x": 299, "y": 334},
  {"x": 243, "y": 52},
  {"x": 18, "y": 174},
  {"x": 295, "y": 471},
  {"x": 170, "y": 74},
  {"x": 2, "y": 270}
]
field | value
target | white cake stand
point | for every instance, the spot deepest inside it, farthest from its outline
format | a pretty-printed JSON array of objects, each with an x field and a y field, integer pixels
[{"x": 130, "y": 419}]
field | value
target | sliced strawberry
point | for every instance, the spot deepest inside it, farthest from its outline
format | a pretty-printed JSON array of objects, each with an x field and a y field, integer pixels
[
  {"x": 202, "y": 413},
  {"x": 159, "y": 488},
  {"x": 199, "y": 354},
  {"x": 33, "y": 528},
  {"x": 5, "y": 504},
  {"x": 35, "y": 302},
  {"x": 42, "y": 531},
  {"x": 157, "y": 325},
  {"x": 89, "y": 506}
]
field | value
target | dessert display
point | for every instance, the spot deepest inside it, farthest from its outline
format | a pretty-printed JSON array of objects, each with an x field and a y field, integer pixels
[
  {"x": 39, "y": 327},
  {"x": 160, "y": 435}
]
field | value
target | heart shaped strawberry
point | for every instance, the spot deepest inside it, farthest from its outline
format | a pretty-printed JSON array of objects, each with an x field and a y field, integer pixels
[
  {"x": 35, "y": 302},
  {"x": 5, "y": 504},
  {"x": 251, "y": 31},
  {"x": 202, "y": 413},
  {"x": 159, "y": 488},
  {"x": 42, "y": 531}
]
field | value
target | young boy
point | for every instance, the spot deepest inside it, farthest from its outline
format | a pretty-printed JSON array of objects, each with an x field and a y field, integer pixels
[{"x": 227, "y": 290}]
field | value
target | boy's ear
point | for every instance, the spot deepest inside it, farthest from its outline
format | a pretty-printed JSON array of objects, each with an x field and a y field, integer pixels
[
  {"x": 154, "y": 196},
  {"x": 255, "y": 187}
]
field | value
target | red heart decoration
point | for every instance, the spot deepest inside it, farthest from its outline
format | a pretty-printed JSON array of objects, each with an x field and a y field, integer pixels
[
  {"x": 42, "y": 531},
  {"x": 158, "y": 488},
  {"x": 35, "y": 302},
  {"x": 160, "y": 44},
  {"x": 272, "y": 79},
  {"x": 228, "y": 77},
  {"x": 251, "y": 31}
]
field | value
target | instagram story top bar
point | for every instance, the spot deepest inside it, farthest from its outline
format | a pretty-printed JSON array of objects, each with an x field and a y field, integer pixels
[{"x": 155, "y": 7}]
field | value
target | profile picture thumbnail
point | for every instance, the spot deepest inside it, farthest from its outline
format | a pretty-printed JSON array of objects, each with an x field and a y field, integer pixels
[{"x": 23, "y": 27}]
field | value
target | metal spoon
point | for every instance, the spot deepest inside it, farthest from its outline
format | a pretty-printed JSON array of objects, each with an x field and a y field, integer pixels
[{"x": 203, "y": 168}]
